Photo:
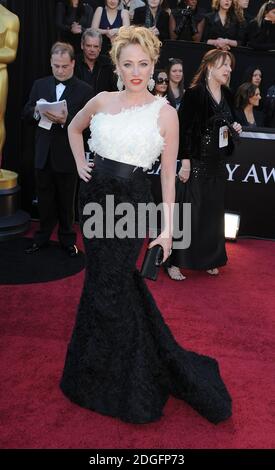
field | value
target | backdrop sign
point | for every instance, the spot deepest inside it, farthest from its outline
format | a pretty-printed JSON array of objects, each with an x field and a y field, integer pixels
[{"x": 250, "y": 188}]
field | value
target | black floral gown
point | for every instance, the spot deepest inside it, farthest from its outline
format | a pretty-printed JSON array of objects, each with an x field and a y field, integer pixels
[{"x": 123, "y": 360}]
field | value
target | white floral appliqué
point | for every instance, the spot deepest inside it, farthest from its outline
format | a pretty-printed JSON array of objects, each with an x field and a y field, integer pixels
[{"x": 131, "y": 136}]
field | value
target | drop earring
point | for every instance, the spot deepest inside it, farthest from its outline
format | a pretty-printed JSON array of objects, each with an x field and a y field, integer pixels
[
  {"x": 151, "y": 83},
  {"x": 209, "y": 75},
  {"x": 119, "y": 83}
]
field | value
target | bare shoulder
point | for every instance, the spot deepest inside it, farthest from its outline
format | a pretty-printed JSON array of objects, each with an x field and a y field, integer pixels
[
  {"x": 101, "y": 101},
  {"x": 168, "y": 117},
  {"x": 168, "y": 112},
  {"x": 105, "y": 97}
]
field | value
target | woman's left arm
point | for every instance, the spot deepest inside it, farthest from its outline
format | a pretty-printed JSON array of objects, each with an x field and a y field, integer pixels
[
  {"x": 125, "y": 18},
  {"x": 169, "y": 126},
  {"x": 200, "y": 28}
]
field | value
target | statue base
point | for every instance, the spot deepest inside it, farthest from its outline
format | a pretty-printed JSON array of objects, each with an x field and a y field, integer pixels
[
  {"x": 13, "y": 221},
  {"x": 8, "y": 179}
]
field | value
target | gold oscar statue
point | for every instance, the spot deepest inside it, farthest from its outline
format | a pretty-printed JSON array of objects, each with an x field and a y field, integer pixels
[{"x": 9, "y": 29}]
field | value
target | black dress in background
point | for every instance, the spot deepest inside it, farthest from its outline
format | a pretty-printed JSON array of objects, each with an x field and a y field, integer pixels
[
  {"x": 261, "y": 38},
  {"x": 161, "y": 21},
  {"x": 200, "y": 120},
  {"x": 214, "y": 29},
  {"x": 66, "y": 15}
]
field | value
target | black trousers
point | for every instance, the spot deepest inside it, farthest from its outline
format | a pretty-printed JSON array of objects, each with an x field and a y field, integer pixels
[{"x": 56, "y": 198}]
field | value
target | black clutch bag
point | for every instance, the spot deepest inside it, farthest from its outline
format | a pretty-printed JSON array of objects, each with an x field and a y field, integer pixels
[{"x": 151, "y": 263}]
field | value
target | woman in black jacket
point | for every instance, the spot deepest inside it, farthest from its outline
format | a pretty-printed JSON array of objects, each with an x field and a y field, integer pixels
[
  {"x": 206, "y": 124},
  {"x": 225, "y": 27},
  {"x": 154, "y": 17},
  {"x": 72, "y": 18},
  {"x": 261, "y": 31}
]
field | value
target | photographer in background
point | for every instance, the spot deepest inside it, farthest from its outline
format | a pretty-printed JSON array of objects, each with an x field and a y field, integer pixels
[{"x": 186, "y": 21}]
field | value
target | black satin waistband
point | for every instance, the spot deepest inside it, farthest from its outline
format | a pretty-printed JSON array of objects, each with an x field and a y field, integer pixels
[{"x": 114, "y": 168}]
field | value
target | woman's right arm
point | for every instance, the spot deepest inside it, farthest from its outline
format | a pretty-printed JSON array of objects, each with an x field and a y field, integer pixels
[{"x": 80, "y": 122}]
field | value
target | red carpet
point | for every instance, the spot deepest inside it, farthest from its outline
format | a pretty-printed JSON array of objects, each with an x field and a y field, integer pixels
[{"x": 230, "y": 317}]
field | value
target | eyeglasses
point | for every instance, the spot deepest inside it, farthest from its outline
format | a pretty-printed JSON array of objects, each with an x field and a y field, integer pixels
[{"x": 160, "y": 81}]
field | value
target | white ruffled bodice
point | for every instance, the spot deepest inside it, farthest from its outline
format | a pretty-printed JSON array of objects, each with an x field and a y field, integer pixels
[{"x": 131, "y": 136}]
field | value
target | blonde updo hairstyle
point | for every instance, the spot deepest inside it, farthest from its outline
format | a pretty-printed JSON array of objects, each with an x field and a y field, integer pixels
[{"x": 127, "y": 35}]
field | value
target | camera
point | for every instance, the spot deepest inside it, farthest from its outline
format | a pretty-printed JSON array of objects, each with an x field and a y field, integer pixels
[{"x": 185, "y": 24}]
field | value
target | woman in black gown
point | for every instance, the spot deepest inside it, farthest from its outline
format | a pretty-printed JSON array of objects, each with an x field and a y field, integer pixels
[
  {"x": 206, "y": 124},
  {"x": 122, "y": 359}
]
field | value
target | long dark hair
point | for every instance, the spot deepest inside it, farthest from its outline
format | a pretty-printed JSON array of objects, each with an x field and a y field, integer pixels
[
  {"x": 211, "y": 58},
  {"x": 248, "y": 73},
  {"x": 80, "y": 8},
  {"x": 155, "y": 77},
  {"x": 172, "y": 62},
  {"x": 244, "y": 92}
]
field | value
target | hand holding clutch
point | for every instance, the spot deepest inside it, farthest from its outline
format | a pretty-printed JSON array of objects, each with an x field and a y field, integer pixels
[{"x": 151, "y": 263}]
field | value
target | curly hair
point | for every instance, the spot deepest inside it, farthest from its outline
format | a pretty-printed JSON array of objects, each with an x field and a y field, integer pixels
[{"x": 135, "y": 35}]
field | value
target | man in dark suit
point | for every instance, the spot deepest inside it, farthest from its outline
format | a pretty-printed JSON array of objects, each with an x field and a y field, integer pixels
[
  {"x": 56, "y": 175},
  {"x": 91, "y": 66}
]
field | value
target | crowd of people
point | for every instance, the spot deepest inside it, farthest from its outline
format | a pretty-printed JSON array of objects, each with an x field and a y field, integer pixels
[
  {"x": 91, "y": 26},
  {"x": 227, "y": 25},
  {"x": 86, "y": 32},
  {"x": 152, "y": 113}
]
